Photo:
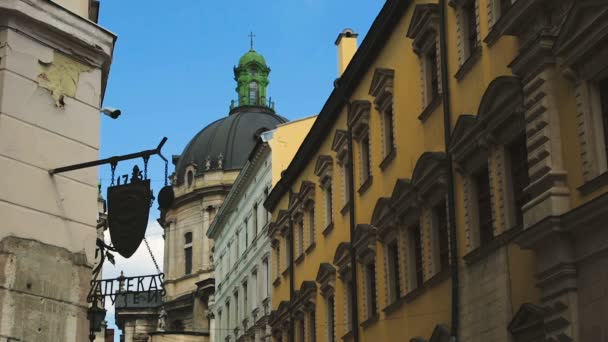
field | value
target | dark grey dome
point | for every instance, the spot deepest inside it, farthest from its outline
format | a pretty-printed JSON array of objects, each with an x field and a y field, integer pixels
[{"x": 226, "y": 143}]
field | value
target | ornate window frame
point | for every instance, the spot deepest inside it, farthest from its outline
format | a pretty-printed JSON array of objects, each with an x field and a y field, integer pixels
[
  {"x": 467, "y": 55},
  {"x": 358, "y": 120},
  {"x": 324, "y": 170},
  {"x": 584, "y": 59},
  {"x": 381, "y": 89},
  {"x": 424, "y": 30},
  {"x": 481, "y": 140},
  {"x": 340, "y": 146},
  {"x": 365, "y": 251}
]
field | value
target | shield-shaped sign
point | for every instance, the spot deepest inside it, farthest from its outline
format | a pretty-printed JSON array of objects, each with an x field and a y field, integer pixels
[{"x": 128, "y": 209}]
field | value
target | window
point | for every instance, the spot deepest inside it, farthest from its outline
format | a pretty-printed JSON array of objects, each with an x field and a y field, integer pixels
[
  {"x": 470, "y": 27},
  {"x": 518, "y": 158},
  {"x": 370, "y": 278},
  {"x": 245, "y": 299},
  {"x": 228, "y": 316},
  {"x": 311, "y": 223},
  {"x": 236, "y": 245},
  {"x": 278, "y": 260},
  {"x": 328, "y": 202},
  {"x": 603, "y": 88},
  {"x": 346, "y": 185},
  {"x": 484, "y": 206},
  {"x": 393, "y": 271},
  {"x": 254, "y": 71},
  {"x": 246, "y": 228},
  {"x": 221, "y": 324},
  {"x": 387, "y": 125},
  {"x": 236, "y": 309},
  {"x": 349, "y": 306},
  {"x": 253, "y": 93},
  {"x": 431, "y": 75},
  {"x": 504, "y": 6},
  {"x": 312, "y": 324},
  {"x": 188, "y": 253},
  {"x": 300, "y": 226},
  {"x": 266, "y": 277},
  {"x": 300, "y": 331},
  {"x": 331, "y": 327},
  {"x": 365, "y": 159},
  {"x": 441, "y": 226},
  {"x": 416, "y": 243},
  {"x": 255, "y": 220}
]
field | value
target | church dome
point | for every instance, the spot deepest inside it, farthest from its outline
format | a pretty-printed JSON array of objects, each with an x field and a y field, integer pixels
[
  {"x": 226, "y": 143},
  {"x": 252, "y": 56}
]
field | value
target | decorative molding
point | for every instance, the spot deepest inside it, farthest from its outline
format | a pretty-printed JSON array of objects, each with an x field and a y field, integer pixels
[{"x": 358, "y": 118}]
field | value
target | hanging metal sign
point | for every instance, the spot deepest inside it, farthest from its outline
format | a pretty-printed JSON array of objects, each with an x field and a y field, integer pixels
[
  {"x": 151, "y": 286},
  {"x": 128, "y": 210}
]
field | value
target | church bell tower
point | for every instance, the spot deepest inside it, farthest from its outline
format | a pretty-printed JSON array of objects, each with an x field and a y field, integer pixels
[{"x": 251, "y": 76}]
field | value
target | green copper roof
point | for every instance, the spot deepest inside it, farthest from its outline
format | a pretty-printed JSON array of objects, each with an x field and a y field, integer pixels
[{"x": 252, "y": 56}]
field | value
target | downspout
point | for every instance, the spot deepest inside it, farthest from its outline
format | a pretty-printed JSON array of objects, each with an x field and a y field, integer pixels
[
  {"x": 351, "y": 214},
  {"x": 291, "y": 332},
  {"x": 447, "y": 127}
]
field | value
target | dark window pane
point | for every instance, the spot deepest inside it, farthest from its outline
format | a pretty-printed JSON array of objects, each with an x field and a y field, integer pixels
[
  {"x": 188, "y": 257},
  {"x": 434, "y": 75},
  {"x": 604, "y": 105},
  {"x": 393, "y": 254},
  {"x": 365, "y": 155},
  {"x": 388, "y": 130},
  {"x": 471, "y": 18},
  {"x": 371, "y": 285},
  {"x": 417, "y": 244},
  {"x": 442, "y": 230},
  {"x": 504, "y": 6},
  {"x": 484, "y": 206},
  {"x": 313, "y": 326},
  {"x": 188, "y": 238},
  {"x": 518, "y": 156},
  {"x": 331, "y": 317}
]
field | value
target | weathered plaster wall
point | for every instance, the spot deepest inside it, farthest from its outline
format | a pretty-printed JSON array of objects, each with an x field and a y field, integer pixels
[{"x": 53, "y": 67}]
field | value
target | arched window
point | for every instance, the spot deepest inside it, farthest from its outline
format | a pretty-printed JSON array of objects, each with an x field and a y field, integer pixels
[
  {"x": 253, "y": 93},
  {"x": 188, "y": 253}
]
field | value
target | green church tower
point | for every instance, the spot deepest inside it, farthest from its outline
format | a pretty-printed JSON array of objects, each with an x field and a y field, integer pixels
[{"x": 251, "y": 76}]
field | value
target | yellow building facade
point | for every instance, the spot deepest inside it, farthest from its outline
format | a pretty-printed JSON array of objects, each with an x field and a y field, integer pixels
[{"x": 487, "y": 228}]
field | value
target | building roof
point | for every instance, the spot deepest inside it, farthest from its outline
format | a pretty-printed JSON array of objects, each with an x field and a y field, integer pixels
[
  {"x": 227, "y": 141},
  {"x": 252, "y": 56}
]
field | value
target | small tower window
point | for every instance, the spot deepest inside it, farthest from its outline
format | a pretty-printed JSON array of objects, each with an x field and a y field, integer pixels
[
  {"x": 253, "y": 93},
  {"x": 188, "y": 253},
  {"x": 254, "y": 71}
]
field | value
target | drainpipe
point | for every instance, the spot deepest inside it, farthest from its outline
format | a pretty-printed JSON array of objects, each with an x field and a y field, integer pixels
[
  {"x": 351, "y": 214},
  {"x": 447, "y": 124},
  {"x": 291, "y": 331}
]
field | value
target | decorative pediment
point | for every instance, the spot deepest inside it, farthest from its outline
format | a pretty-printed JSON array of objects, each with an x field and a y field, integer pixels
[
  {"x": 304, "y": 298},
  {"x": 365, "y": 242},
  {"x": 430, "y": 173},
  {"x": 382, "y": 212},
  {"x": 527, "y": 324},
  {"x": 307, "y": 192},
  {"x": 326, "y": 277},
  {"x": 583, "y": 38},
  {"x": 358, "y": 117},
  {"x": 424, "y": 26},
  {"x": 323, "y": 167},
  {"x": 342, "y": 257},
  {"x": 382, "y": 88},
  {"x": 503, "y": 99},
  {"x": 464, "y": 126},
  {"x": 402, "y": 187},
  {"x": 340, "y": 145}
]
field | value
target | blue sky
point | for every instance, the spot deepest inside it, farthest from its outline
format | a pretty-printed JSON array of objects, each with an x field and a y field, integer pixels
[{"x": 172, "y": 73}]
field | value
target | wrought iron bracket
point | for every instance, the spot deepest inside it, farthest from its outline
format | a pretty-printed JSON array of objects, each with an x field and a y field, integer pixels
[{"x": 113, "y": 160}]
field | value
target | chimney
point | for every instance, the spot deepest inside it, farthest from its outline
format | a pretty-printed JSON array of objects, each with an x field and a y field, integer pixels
[{"x": 347, "y": 46}]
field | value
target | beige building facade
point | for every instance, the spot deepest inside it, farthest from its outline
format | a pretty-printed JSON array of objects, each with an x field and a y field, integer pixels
[{"x": 54, "y": 64}]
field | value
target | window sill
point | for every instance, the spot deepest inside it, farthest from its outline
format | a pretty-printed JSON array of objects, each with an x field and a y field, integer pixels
[
  {"x": 435, "y": 102},
  {"x": 594, "y": 184},
  {"x": 388, "y": 159},
  {"x": 392, "y": 307},
  {"x": 285, "y": 271},
  {"x": 310, "y": 247},
  {"x": 373, "y": 319},
  {"x": 345, "y": 209},
  {"x": 299, "y": 259},
  {"x": 415, "y": 293},
  {"x": 468, "y": 64},
  {"x": 276, "y": 282},
  {"x": 348, "y": 335},
  {"x": 487, "y": 249},
  {"x": 366, "y": 185},
  {"x": 328, "y": 229}
]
